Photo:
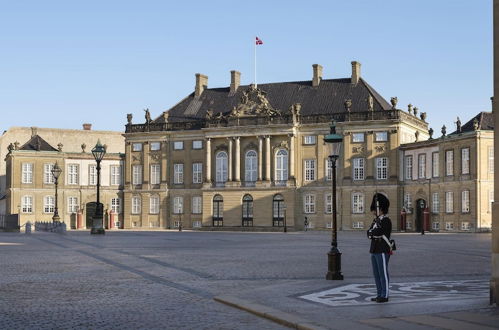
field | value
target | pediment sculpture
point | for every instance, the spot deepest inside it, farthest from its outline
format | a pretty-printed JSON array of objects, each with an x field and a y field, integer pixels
[{"x": 254, "y": 103}]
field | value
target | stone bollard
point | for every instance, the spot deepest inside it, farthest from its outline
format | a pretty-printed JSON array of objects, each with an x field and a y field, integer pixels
[{"x": 28, "y": 228}]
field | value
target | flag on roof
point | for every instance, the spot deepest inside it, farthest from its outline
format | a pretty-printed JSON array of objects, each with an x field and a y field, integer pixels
[{"x": 258, "y": 41}]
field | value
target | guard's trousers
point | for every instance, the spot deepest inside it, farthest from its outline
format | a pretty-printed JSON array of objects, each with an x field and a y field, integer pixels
[{"x": 380, "y": 271}]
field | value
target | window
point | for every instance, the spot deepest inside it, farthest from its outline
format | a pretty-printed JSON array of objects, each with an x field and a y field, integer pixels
[
  {"x": 196, "y": 204},
  {"x": 154, "y": 204},
  {"x": 381, "y": 136},
  {"x": 178, "y": 145},
  {"x": 247, "y": 211},
  {"x": 358, "y": 168},
  {"x": 465, "y": 161},
  {"x": 449, "y": 202},
  {"x": 178, "y": 173},
  {"x": 48, "y": 204},
  {"x": 309, "y": 139},
  {"x": 92, "y": 175},
  {"x": 309, "y": 203},
  {"x": 155, "y": 146},
  {"x": 357, "y": 203},
  {"x": 73, "y": 174},
  {"x": 218, "y": 211},
  {"x": 197, "y": 172},
  {"x": 382, "y": 168},
  {"x": 491, "y": 159},
  {"x": 136, "y": 205},
  {"x": 422, "y": 166},
  {"x": 281, "y": 165},
  {"x": 137, "y": 174},
  {"x": 178, "y": 205},
  {"x": 449, "y": 226},
  {"x": 250, "y": 166},
  {"x": 329, "y": 169},
  {"x": 435, "y": 164},
  {"x": 137, "y": 147},
  {"x": 72, "y": 204},
  {"x": 435, "y": 226},
  {"x": 465, "y": 226},
  {"x": 491, "y": 200},
  {"x": 357, "y": 137},
  {"x": 197, "y": 144},
  {"x": 196, "y": 224},
  {"x": 408, "y": 203},
  {"x": 155, "y": 174},
  {"x": 278, "y": 211},
  {"x": 221, "y": 167},
  {"x": 27, "y": 204},
  {"x": 115, "y": 205},
  {"x": 115, "y": 175},
  {"x": 408, "y": 167},
  {"x": 465, "y": 201},
  {"x": 358, "y": 224},
  {"x": 310, "y": 170},
  {"x": 328, "y": 203},
  {"x": 435, "y": 203},
  {"x": 449, "y": 162},
  {"x": 27, "y": 169},
  {"x": 48, "y": 178}
]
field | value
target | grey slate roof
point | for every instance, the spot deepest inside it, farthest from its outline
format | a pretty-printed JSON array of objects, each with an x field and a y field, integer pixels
[
  {"x": 485, "y": 122},
  {"x": 38, "y": 144},
  {"x": 327, "y": 98}
]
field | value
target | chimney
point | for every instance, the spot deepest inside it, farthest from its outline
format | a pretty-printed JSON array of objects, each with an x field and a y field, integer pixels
[
  {"x": 235, "y": 80},
  {"x": 355, "y": 72},
  {"x": 201, "y": 84},
  {"x": 317, "y": 68},
  {"x": 87, "y": 127}
]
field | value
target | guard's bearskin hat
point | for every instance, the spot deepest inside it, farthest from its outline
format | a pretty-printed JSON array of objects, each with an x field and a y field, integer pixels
[{"x": 383, "y": 203}]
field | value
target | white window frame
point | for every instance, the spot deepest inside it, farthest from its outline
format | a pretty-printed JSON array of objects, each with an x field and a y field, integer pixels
[
  {"x": 73, "y": 204},
  {"x": 27, "y": 173},
  {"x": 178, "y": 145},
  {"x": 197, "y": 205},
  {"x": 73, "y": 174},
  {"x": 465, "y": 226},
  {"x": 136, "y": 204},
  {"x": 329, "y": 169},
  {"x": 465, "y": 161},
  {"x": 435, "y": 225},
  {"x": 27, "y": 204},
  {"x": 155, "y": 175},
  {"x": 465, "y": 201},
  {"x": 309, "y": 139},
  {"x": 136, "y": 174},
  {"x": 435, "y": 203},
  {"x": 92, "y": 174},
  {"x": 358, "y": 137},
  {"x": 308, "y": 203},
  {"x": 154, "y": 204},
  {"x": 491, "y": 159},
  {"x": 449, "y": 202},
  {"x": 221, "y": 167},
  {"x": 358, "y": 203},
  {"x": 449, "y": 162},
  {"x": 251, "y": 166},
  {"x": 155, "y": 146},
  {"x": 435, "y": 159},
  {"x": 197, "y": 144},
  {"x": 116, "y": 205},
  {"x": 178, "y": 173},
  {"x": 136, "y": 146},
  {"x": 381, "y": 168},
  {"x": 449, "y": 225},
  {"x": 115, "y": 171},
  {"x": 178, "y": 205},
  {"x": 197, "y": 172},
  {"x": 408, "y": 162},
  {"x": 408, "y": 202},
  {"x": 357, "y": 224},
  {"x": 381, "y": 136},
  {"x": 281, "y": 165},
  {"x": 422, "y": 166},
  {"x": 328, "y": 203},
  {"x": 48, "y": 204},
  {"x": 358, "y": 171},
  {"x": 48, "y": 177},
  {"x": 310, "y": 170}
]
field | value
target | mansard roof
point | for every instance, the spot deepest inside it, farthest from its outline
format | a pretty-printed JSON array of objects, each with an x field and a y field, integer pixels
[
  {"x": 327, "y": 98},
  {"x": 484, "y": 119},
  {"x": 37, "y": 143}
]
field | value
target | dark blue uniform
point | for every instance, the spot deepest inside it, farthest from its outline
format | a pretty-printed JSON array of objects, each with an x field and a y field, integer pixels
[{"x": 380, "y": 253}]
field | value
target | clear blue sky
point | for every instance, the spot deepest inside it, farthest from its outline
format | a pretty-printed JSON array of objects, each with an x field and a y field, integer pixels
[{"x": 63, "y": 63}]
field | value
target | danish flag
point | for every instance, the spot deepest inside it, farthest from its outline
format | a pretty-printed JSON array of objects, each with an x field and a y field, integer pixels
[{"x": 258, "y": 41}]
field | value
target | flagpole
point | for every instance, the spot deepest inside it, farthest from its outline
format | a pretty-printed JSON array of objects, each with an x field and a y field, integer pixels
[{"x": 254, "y": 44}]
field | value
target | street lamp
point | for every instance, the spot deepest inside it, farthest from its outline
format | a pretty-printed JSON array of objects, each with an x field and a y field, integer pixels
[
  {"x": 56, "y": 172},
  {"x": 97, "y": 228},
  {"x": 334, "y": 256}
]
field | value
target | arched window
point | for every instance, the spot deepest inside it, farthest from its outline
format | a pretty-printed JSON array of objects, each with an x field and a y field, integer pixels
[
  {"x": 218, "y": 211},
  {"x": 247, "y": 211},
  {"x": 221, "y": 167},
  {"x": 278, "y": 211},
  {"x": 281, "y": 167},
  {"x": 250, "y": 167}
]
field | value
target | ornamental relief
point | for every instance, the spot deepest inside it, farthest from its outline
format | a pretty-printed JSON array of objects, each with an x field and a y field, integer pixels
[
  {"x": 137, "y": 158},
  {"x": 358, "y": 150},
  {"x": 281, "y": 145},
  {"x": 250, "y": 146},
  {"x": 155, "y": 156},
  {"x": 379, "y": 148},
  {"x": 221, "y": 147}
]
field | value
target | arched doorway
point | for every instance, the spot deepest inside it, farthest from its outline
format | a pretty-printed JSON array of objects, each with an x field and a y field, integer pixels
[{"x": 420, "y": 207}]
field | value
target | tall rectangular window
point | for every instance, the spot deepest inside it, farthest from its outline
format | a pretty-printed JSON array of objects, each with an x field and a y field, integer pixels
[
  {"x": 435, "y": 163},
  {"x": 491, "y": 159},
  {"x": 465, "y": 201},
  {"x": 408, "y": 167},
  {"x": 73, "y": 174},
  {"x": 27, "y": 173},
  {"x": 136, "y": 207},
  {"x": 197, "y": 172},
  {"x": 115, "y": 175},
  {"x": 48, "y": 178},
  {"x": 449, "y": 162},
  {"x": 27, "y": 204},
  {"x": 155, "y": 174},
  {"x": 465, "y": 161},
  {"x": 408, "y": 203},
  {"x": 358, "y": 168},
  {"x": 328, "y": 203},
  {"x": 48, "y": 204},
  {"x": 178, "y": 205},
  {"x": 136, "y": 174},
  {"x": 92, "y": 175},
  {"x": 309, "y": 203},
  {"x": 357, "y": 203},
  {"x": 196, "y": 204},
  {"x": 329, "y": 169},
  {"x": 309, "y": 139},
  {"x": 381, "y": 168},
  {"x": 178, "y": 173},
  {"x": 310, "y": 170},
  {"x": 116, "y": 205},
  {"x": 422, "y": 166},
  {"x": 154, "y": 204},
  {"x": 435, "y": 203},
  {"x": 72, "y": 204},
  {"x": 449, "y": 202}
]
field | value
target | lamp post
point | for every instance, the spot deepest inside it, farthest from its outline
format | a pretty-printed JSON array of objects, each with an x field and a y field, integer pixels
[
  {"x": 56, "y": 172},
  {"x": 97, "y": 226},
  {"x": 334, "y": 255}
]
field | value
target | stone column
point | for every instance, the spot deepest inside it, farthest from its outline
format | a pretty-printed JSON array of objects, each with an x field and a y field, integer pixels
[
  {"x": 267, "y": 157},
  {"x": 237, "y": 176},
  {"x": 291, "y": 156},
  {"x": 260, "y": 158},
  {"x": 208, "y": 160},
  {"x": 230, "y": 160}
]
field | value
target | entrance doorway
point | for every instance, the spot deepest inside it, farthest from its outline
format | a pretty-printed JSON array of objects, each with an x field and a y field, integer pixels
[{"x": 420, "y": 207}]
